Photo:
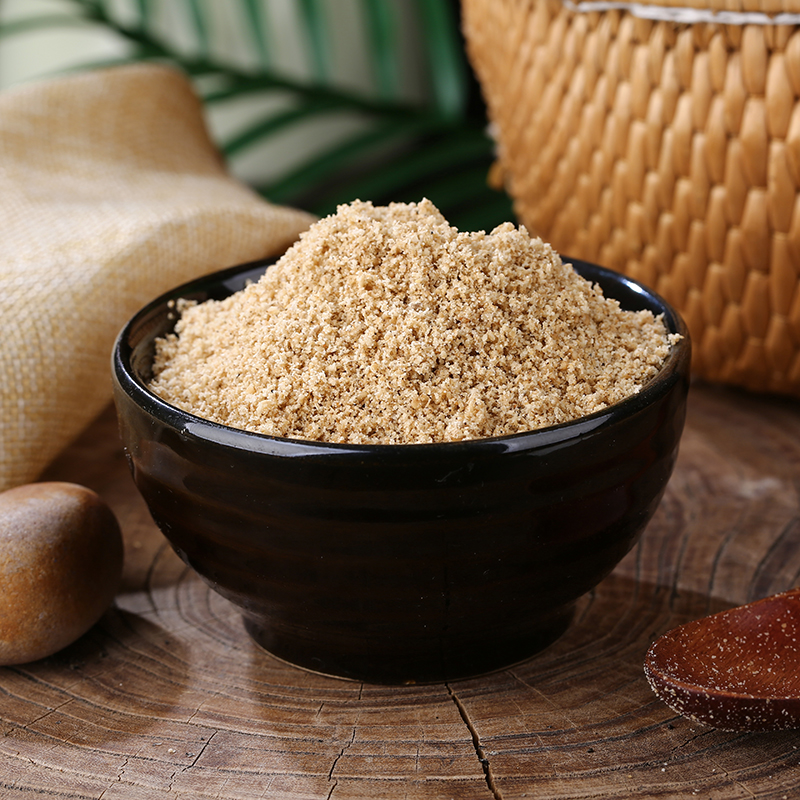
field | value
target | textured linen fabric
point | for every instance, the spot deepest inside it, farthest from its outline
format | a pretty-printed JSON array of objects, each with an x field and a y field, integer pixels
[{"x": 111, "y": 192}]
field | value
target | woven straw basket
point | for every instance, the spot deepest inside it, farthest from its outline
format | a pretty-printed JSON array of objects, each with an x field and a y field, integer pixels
[{"x": 663, "y": 142}]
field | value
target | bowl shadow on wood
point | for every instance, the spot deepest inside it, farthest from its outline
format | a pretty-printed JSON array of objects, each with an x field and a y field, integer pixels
[{"x": 592, "y": 678}]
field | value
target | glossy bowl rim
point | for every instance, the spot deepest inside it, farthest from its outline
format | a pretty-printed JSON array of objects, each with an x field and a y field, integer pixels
[{"x": 189, "y": 425}]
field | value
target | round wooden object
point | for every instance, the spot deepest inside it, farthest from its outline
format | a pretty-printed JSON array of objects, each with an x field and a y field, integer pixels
[
  {"x": 737, "y": 670},
  {"x": 167, "y": 697}
]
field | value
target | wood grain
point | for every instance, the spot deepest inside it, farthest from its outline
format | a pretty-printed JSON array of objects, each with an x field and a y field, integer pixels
[{"x": 168, "y": 698}]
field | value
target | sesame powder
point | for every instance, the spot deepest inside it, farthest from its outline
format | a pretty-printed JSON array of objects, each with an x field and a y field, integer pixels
[{"x": 387, "y": 325}]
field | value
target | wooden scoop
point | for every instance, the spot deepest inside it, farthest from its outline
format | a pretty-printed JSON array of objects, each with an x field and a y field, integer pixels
[{"x": 738, "y": 670}]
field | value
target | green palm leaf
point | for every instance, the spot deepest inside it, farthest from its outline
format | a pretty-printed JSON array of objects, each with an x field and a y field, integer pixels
[
  {"x": 381, "y": 22},
  {"x": 316, "y": 26},
  {"x": 44, "y": 22},
  {"x": 446, "y": 60},
  {"x": 199, "y": 24},
  {"x": 253, "y": 12}
]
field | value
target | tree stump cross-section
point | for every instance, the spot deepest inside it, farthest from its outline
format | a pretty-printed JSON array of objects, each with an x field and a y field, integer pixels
[{"x": 167, "y": 697}]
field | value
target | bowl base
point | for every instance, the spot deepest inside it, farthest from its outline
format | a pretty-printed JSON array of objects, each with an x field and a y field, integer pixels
[{"x": 369, "y": 661}]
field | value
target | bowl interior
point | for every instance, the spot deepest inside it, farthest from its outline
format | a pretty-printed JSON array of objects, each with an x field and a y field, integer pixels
[{"x": 135, "y": 349}]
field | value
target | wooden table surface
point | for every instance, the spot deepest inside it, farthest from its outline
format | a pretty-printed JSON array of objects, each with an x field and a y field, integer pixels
[{"x": 168, "y": 698}]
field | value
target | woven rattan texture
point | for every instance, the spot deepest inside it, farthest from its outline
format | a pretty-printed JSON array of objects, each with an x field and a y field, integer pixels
[
  {"x": 111, "y": 192},
  {"x": 668, "y": 152}
]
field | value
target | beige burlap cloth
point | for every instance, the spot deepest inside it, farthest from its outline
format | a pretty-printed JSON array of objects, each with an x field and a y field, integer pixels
[{"x": 110, "y": 193}]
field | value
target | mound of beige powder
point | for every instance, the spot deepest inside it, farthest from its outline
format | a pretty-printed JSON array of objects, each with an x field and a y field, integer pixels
[{"x": 387, "y": 325}]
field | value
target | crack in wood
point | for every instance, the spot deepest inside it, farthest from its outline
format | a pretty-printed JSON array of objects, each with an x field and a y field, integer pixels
[
  {"x": 120, "y": 773},
  {"x": 750, "y": 793},
  {"x": 476, "y": 743},
  {"x": 202, "y": 749},
  {"x": 184, "y": 768},
  {"x": 49, "y": 712},
  {"x": 734, "y": 781},
  {"x": 691, "y": 738},
  {"x": 345, "y": 746}
]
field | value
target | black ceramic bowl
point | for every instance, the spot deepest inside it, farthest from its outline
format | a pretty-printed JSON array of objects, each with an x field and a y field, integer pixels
[{"x": 401, "y": 563}]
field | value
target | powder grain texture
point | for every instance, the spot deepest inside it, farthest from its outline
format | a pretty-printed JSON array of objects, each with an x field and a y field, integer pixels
[{"x": 387, "y": 325}]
